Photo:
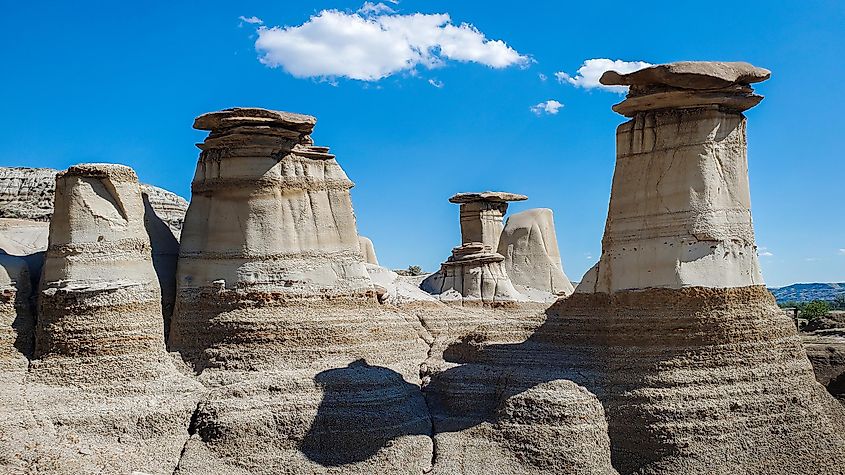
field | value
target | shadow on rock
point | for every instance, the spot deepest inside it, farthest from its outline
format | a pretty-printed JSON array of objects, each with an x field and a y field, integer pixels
[{"x": 364, "y": 409}]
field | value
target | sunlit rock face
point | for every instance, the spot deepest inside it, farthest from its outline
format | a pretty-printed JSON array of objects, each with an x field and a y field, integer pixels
[
  {"x": 532, "y": 258},
  {"x": 278, "y": 317},
  {"x": 697, "y": 369},
  {"x": 100, "y": 394},
  {"x": 368, "y": 250}
]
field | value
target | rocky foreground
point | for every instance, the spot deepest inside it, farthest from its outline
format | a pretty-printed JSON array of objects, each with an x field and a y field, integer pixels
[{"x": 268, "y": 340}]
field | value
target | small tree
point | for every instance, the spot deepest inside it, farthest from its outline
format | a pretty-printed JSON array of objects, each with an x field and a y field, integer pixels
[
  {"x": 815, "y": 309},
  {"x": 415, "y": 270},
  {"x": 839, "y": 302}
]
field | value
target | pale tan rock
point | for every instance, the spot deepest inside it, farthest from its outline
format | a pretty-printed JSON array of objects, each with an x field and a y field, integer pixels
[
  {"x": 532, "y": 257},
  {"x": 101, "y": 394},
  {"x": 690, "y": 75},
  {"x": 367, "y": 250},
  {"x": 696, "y": 367},
  {"x": 474, "y": 274},
  {"x": 16, "y": 319},
  {"x": 307, "y": 372}
]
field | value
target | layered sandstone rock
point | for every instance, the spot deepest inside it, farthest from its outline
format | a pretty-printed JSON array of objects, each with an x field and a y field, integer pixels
[
  {"x": 532, "y": 257},
  {"x": 16, "y": 318},
  {"x": 26, "y": 205},
  {"x": 307, "y": 372},
  {"x": 475, "y": 273},
  {"x": 368, "y": 250},
  {"x": 696, "y": 367},
  {"x": 102, "y": 394}
]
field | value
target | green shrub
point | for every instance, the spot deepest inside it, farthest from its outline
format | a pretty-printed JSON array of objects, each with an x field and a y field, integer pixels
[{"x": 815, "y": 309}]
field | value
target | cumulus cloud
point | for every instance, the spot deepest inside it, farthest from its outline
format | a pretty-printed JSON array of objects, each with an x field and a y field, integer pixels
[
  {"x": 253, "y": 20},
  {"x": 588, "y": 74},
  {"x": 550, "y": 107},
  {"x": 374, "y": 43}
]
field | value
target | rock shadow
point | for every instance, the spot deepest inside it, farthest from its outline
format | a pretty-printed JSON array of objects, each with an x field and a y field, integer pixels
[
  {"x": 364, "y": 409},
  {"x": 165, "y": 255}
]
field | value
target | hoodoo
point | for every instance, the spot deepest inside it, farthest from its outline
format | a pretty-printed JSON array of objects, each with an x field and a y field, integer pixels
[
  {"x": 99, "y": 292},
  {"x": 475, "y": 273},
  {"x": 702, "y": 372},
  {"x": 532, "y": 257},
  {"x": 274, "y": 302}
]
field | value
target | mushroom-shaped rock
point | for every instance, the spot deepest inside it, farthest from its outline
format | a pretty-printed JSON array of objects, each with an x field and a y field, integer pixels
[
  {"x": 532, "y": 258},
  {"x": 474, "y": 273},
  {"x": 689, "y": 84}
]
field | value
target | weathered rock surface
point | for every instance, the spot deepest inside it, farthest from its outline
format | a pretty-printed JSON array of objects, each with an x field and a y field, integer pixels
[
  {"x": 699, "y": 371},
  {"x": 16, "y": 318},
  {"x": 26, "y": 205},
  {"x": 367, "y": 250},
  {"x": 475, "y": 274},
  {"x": 826, "y": 350},
  {"x": 276, "y": 313},
  {"x": 102, "y": 395},
  {"x": 532, "y": 257}
]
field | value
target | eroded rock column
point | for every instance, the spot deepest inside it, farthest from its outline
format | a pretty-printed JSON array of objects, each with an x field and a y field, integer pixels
[
  {"x": 697, "y": 368},
  {"x": 278, "y": 317},
  {"x": 99, "y": 292},
  {"x": 474, "y": 273}
]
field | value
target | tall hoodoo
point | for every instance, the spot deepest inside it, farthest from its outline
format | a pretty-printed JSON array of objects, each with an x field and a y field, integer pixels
[
  {"x": 474, "y": 272},
  {"x": 270, "y": 213},
  {"x": 680, "y": 205},
  {"x": 702, "y": 372},
  {"x": 274, "y": 301},
  {"x": 99, "y": 292}
]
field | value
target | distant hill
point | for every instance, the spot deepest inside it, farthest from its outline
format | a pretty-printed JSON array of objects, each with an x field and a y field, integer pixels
[{"x": 808, "y": 292}]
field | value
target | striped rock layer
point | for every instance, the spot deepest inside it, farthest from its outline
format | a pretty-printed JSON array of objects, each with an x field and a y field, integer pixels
[{"x": 276, "y": 313}]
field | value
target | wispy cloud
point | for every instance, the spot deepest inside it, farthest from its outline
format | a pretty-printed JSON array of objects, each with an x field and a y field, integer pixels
[
  {"x": 542, "y": 77},
  {"x": 375, "y": 42},
  {"x": 370, "y": 8},
  {"x": 842, "y": 252},
  {"x": 764, "y": 252},
  {"x": 588, "y": 74},
  {"x": 550, "y": 107},
  {"x": 436, "y": 83},
  {"x": 253, "y": 20}
]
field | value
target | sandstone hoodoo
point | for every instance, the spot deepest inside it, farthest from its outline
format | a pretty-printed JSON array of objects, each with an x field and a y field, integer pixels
[
  {"x": 99, "y": 344},
  {"x": 703, "y": 373},
  {"x": 475, "y": 272},
  {"x": 532, "y": 257},
  {"x": 98, "y": 272},
  {"x": 278, "y": 316}
]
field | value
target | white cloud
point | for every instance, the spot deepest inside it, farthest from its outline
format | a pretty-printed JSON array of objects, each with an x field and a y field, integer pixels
[
  {"x": 542, "y": 77},
  {"x": 372, "y": 46},
  {"x": 253, "y": 20},
  {"x": 842, "y": 252},
  {"x": 370, "y": 8},
  {"x": 763, "y": 251},
  {"x": 436, "y": 83},
  {"x": 589, "y": 73},
  {"x": 766, "y": 254},
  {"x": 550, "y": 107}
]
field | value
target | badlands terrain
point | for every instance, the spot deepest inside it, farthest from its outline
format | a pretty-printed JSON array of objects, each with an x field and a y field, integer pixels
[{"x": 252, "y": 331}]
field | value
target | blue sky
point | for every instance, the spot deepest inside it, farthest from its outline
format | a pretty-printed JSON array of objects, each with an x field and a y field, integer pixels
[{"x": 122, "y": 81}]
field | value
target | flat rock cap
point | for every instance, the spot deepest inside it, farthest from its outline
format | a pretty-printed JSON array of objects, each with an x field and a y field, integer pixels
[
  {"x": 255, "y": 116},
  {"x": 690, "y": 75},
  {"x": 101, "y": 170},
  {"x": 499, "y": 196}
]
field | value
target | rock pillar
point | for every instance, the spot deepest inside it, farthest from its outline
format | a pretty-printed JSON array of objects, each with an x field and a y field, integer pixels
[
  {"x": 474, "y": 273},
  {"x": 702, "y": 373}
]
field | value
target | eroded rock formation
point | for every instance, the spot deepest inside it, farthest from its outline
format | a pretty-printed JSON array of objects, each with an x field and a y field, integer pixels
[
  {"x": 702, "y": 373},
  {"x": 368, "y": 250},
  {"x": 276, "y": 313},
  {"x": 102, "y": 394},
  {"x": 532, "y": 257},
  {"x": 475, "y": 273},
  {"x": 16, "y": 318}
]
